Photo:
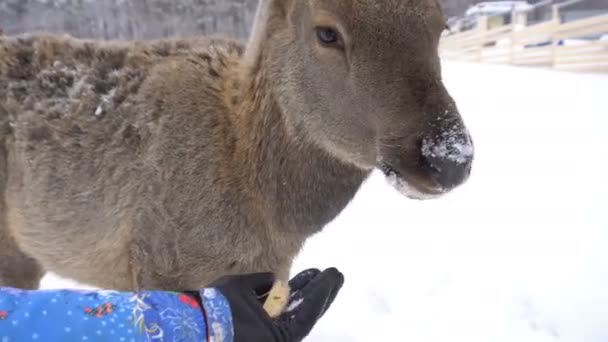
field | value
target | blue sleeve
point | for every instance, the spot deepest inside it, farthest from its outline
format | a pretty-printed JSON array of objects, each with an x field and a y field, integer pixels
[
  {"x": 218, "y": 316},
  {"x": 78, "y": 315}
]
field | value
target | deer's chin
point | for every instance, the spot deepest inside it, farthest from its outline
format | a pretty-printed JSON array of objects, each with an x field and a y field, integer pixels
[{"x": 410, "y": 188}]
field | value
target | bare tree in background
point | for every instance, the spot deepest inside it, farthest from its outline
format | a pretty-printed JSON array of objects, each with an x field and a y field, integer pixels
[
  {"x": 146, "y": 19},
  {"x": 128, "y": 19}
]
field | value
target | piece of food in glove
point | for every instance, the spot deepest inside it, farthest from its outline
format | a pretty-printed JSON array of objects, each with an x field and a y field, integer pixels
[{"x": 277, "y": 299}]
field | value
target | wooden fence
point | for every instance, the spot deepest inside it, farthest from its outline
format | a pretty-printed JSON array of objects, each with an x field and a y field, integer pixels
[{"x": 579, "y": 45}]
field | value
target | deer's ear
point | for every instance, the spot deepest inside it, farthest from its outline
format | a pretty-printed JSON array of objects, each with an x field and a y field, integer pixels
[{"x": 271, "y": 16}]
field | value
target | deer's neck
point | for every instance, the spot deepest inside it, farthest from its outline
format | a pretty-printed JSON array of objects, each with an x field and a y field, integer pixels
[{"x": 300, "y": 186}]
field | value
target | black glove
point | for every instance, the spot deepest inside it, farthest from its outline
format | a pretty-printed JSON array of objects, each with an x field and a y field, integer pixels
[{"x": 312, "y": 293}]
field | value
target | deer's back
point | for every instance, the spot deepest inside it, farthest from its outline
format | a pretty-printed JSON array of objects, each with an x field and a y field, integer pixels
[{"x": 99, "y": 134}]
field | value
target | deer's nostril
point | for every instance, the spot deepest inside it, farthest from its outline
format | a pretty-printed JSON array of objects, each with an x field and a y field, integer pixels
[
  {"x": 449, "y": 173},
  {"x": 448, "y": 161}
]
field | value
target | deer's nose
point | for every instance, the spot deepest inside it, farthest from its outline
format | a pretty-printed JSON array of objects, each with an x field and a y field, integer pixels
[{"x": 448, "y": 158}]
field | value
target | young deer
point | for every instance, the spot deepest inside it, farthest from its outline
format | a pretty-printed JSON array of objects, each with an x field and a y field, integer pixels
[{"x": 167, "y": 164}]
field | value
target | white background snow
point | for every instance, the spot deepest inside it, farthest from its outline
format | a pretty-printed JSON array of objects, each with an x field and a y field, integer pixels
[{"x": 520, "y": 253}]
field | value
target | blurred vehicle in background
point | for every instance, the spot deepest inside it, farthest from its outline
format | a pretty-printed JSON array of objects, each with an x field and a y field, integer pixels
[
  {"x": 498, "y": 13},
  {"x": 491, "y": 8}
]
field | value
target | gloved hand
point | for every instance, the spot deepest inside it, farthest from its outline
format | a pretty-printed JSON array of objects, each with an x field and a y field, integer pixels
[{"x": 312, "y": 293}]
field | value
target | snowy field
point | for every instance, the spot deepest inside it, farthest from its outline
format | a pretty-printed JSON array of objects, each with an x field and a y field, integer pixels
[{"x": 520, "y": 253}]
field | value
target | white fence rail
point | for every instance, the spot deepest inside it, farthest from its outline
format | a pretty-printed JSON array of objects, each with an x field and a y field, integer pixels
[{"x": 579, "y": 45}]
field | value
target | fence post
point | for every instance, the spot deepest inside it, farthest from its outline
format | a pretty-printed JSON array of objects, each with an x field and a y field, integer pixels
[
  {"x": 554, "y": 29},
  {"x": 518, "y": 19},
  {"x": 482, "y": 27}
]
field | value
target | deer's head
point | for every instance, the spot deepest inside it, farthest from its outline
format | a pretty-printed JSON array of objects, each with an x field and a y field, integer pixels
[{"x": 362, "y": 80}]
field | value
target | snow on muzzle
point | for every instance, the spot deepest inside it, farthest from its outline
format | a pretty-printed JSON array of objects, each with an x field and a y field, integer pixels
[
  {"x": 448, "y": 156},
  {"x": 436, "y": 163}
]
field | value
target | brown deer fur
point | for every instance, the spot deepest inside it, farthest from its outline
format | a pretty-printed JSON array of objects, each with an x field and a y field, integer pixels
[{"x": 166, "y": 164}]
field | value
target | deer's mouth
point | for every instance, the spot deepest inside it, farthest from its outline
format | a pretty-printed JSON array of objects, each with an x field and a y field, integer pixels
[{"x": 411, "y": 184}]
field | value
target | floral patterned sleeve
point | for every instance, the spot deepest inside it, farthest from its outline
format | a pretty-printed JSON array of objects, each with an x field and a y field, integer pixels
[{"x": 83, "y": 315}]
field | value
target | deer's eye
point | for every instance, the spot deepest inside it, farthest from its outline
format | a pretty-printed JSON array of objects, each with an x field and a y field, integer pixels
[{"x": 327, "y": 35}]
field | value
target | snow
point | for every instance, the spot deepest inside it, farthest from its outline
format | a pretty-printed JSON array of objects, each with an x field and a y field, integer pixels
[
  {"x": 516, "y": 254},
  {"x": 294, "y": 305},
  {"x": 406, "y": 189},
  {"x": 453, "y": 144}
]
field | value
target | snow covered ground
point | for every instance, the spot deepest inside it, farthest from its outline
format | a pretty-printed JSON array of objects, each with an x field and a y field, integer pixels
[{"x": 520, "y": 253}]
